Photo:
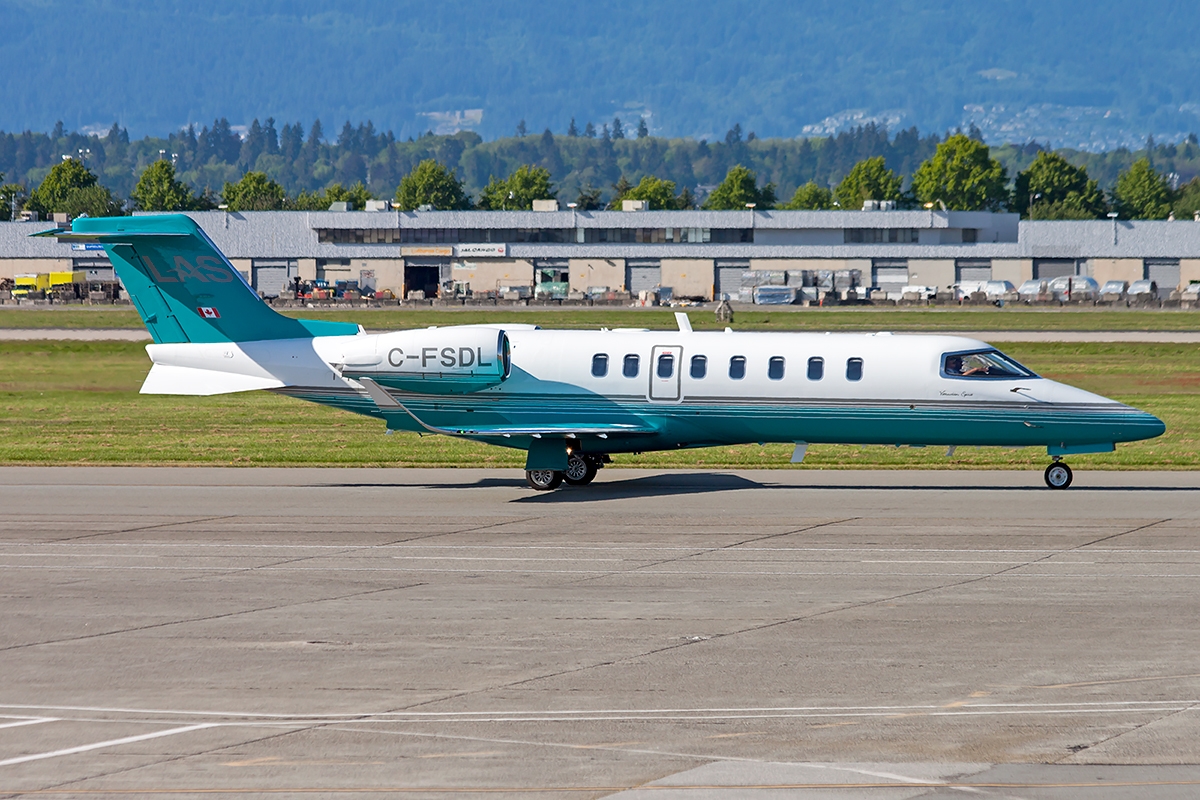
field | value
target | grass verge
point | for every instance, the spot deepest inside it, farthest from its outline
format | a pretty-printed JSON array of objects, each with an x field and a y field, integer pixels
[{"x": 69, "y": 403}]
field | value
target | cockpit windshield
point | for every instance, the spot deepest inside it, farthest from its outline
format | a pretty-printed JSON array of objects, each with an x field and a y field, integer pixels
[{"x": 982, "y": 364}]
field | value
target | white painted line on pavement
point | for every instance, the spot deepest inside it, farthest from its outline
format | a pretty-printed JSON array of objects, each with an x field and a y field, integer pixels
[
  {"x": 34, "y": 721},
  {"x": 83, "y": 748}
]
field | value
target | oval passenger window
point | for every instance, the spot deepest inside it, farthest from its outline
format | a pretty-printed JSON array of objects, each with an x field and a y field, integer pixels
[
  {"x": 816, "y": 368},
  {"x": 599, "y": 365},
  {"x": 666, "y": 365},
  {"x": 737, "y": 367},
  {"x": 854, "y": 369},
  {"x": 630, "y": 369},
  {"x": 775, "y": 368},
  {"x": 699, "y": 366}
]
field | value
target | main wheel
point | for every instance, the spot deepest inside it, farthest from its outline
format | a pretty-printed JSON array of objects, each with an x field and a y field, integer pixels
[
  {"x": 543, "y": 479},
  {"x": 580, "y": 470},
  {"x": 1058, "y": 475}
]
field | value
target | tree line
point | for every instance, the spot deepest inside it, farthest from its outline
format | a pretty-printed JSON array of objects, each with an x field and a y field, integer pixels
[{"x": 593, "y": 168}]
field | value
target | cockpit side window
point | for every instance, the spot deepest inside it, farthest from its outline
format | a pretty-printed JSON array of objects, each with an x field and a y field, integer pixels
[{"x": 982, "y": 364}]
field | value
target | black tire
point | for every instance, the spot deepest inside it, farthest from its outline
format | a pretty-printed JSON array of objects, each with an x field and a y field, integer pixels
[
  {"x": 1058, "y": 475},
  {"x": 543, "y": 479},
  {"x": 580, "y": 471}
]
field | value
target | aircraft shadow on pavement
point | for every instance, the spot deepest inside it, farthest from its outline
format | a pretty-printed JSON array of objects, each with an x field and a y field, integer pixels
[{"x": 673, "y": 483}]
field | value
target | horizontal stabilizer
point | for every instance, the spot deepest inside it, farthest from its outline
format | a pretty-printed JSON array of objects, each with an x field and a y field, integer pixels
[{"x": 166, "y": 379}]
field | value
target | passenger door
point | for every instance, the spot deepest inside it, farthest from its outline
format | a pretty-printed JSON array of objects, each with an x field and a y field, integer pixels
[{"x": 665, "y": 361}]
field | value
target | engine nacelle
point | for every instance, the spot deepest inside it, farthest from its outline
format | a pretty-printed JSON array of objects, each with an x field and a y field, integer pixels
[{"x": 452, "y": 360}]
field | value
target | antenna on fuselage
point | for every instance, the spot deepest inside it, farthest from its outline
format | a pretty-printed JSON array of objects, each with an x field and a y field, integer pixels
[{"x": 685, "y": 324}]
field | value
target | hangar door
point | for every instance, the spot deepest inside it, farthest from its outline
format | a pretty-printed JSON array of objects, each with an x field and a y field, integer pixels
[
  {"x": 269, "y": 277},
  {"x": 1047, "y": 268},
  {"x": 890, "y": 275},
  {"x": 729, "y": 275},
  {"x": 1163, "y": 271},
  {"x": 972, "y": 269},
  {"x": 642, "y": 275}
]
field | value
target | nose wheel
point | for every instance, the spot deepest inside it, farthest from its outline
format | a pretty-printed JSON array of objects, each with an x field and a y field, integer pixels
[{"x": 1058, "y": 475}]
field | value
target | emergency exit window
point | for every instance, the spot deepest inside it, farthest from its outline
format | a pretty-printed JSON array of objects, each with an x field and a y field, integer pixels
[{"x": 666, "y": 365}]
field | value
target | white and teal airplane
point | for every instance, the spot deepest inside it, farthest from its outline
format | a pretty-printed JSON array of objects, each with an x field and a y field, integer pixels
[{"x": 572, "y": 398}]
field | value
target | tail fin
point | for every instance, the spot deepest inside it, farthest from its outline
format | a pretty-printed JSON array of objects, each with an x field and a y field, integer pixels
[{"x": 183, "y": 287}]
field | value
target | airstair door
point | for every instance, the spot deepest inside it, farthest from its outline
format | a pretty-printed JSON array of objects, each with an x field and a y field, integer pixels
[{"x": 665, "y": 361}]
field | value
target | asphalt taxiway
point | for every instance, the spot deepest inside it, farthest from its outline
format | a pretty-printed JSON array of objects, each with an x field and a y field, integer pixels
[{"x": 678, "y": 634}]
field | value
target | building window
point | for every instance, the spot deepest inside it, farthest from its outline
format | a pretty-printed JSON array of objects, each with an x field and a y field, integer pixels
[
  {"x": 854, "y": 369},
  {"x": 816, "y": 368},
  {"x": 970, "y": 235},
  {"x": 630, "y": 368},
  {"x": 737, "y": 367},
  {"x": 775, "y": 368},
  {"x": 599, "y": 365},
  {"x": 880, "y": 235},
  {"x": 699, "y": 367}
]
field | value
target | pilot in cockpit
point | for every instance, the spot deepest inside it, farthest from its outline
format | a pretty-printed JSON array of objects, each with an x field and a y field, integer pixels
[{"x": 954, "y": 366}]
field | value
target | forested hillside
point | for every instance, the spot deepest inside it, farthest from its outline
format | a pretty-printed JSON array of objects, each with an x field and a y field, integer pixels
[{"x": 1080, "y": 72}]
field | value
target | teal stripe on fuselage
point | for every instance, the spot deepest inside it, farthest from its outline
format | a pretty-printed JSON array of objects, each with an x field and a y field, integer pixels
[{"x": 696, "y": 422}]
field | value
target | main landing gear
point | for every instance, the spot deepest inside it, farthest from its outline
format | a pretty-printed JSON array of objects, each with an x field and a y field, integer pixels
[
  {"x": 580, "y": 471},
  {"x": 1058, "y": 475}
]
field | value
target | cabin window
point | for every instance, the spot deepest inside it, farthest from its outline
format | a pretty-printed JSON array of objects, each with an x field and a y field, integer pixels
[
  {"x": 854, "y": 369},
  {"x": 775, "y": 368},
  {"x": 737, "y": 367},
  {"x": 630, "y": 369},
  {"x": 982, "y": 364},
  {"x": 666, "y": 365},
  {"x": 699, "y": 366},
  {"x": 816, "y": 368},
  {"x": 599, "y": 365}
]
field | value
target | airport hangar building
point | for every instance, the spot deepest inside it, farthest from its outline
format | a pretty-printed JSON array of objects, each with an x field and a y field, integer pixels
[{"x": 697, "y": 253}]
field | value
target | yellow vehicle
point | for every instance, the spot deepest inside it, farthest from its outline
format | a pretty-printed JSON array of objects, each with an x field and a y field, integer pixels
[{"x": 24, "y": 284}]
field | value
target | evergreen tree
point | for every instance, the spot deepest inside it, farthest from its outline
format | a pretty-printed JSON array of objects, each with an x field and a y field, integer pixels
[
  {"x": 618, "y": 132},
  {"x": 590, "y": 131},
  {"x": 963, "y": 175},
  {"x": 740, "y": 188},
  {"x": 431, "y": 183},
  {"x": 734, "y": 135},
  {"x": 642, "y": 130},
  {"x": 572, "y": 131},
  {"x": 521, "y": 129},
  {"x": 1142, "y": 193},
  {"x": 588, "y": 199},
  {"x": 869, "y": 179}
]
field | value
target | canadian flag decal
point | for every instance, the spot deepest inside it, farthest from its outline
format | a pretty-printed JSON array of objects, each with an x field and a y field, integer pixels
[{"x": 208, "y": 312}]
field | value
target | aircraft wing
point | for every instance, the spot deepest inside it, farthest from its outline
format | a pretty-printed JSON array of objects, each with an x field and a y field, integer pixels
[{"x": 385, "y": 400}]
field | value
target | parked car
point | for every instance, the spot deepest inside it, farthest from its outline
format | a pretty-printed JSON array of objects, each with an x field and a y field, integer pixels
[
  {"x": 1142, "y": 287},
  {"x": 964, "y": 290},
  {"x": 1074, "y": 287},
  {"x": 997, "y": 290},
  {"x": 1032, "y": 290},
  {"x": 1112, "y": 291}
]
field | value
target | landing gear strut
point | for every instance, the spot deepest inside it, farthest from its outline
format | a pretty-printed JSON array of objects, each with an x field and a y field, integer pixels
[
  {"x": 581, "y": 470},
  {"x": 1058, "y": 475}
]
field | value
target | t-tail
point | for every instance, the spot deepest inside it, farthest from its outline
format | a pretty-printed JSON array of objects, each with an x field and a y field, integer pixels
[{"x": 183, "y": 287}]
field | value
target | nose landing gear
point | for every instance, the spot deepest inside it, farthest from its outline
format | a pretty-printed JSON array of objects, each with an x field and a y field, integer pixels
[{"x": 1058, "y": 475}]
